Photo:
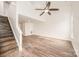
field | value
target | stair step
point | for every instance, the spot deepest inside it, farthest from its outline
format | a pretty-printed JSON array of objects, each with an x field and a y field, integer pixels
[
  {"x": 7, "y": 48},
  {"x": 4, "y": 20},
  {"x": 4, "y": 29},
  {"x": 6, "y": 43},
  {"x": 6, "y": 35},
  {"x": 3, "y": 32},
  {"x": 4, "y": 24},
  {"x": 6, "y": 39},
  {"x": 8, "y": 52}
]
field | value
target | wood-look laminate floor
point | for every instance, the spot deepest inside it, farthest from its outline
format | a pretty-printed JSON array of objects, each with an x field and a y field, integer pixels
[
  {"x": 47, "y": 47},
  {"x": 38, "y": 46}
]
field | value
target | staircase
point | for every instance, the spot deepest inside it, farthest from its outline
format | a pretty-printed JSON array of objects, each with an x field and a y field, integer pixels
[{"x": 7, "y": 40}]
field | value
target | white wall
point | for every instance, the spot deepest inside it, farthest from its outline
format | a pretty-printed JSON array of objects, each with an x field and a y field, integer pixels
[
  {"x": 26, "y": 25},
  {"x": 1, "y": 8},
  {"x": 26, "y": 28},
  {"x": 75, "y": 38},
  {"x": 58, "y": 24}
]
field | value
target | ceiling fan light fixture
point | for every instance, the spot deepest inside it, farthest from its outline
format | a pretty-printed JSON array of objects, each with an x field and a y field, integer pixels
[{"x": 46, "y": 11}]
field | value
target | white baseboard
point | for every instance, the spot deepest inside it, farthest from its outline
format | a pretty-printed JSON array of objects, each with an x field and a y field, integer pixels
[{"x": 57, "y": 37}]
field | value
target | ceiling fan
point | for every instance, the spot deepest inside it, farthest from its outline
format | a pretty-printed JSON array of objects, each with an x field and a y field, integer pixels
[{"x": 47, "y": 9}]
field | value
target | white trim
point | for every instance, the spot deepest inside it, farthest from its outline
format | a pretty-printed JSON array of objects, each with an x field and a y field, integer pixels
[
  {"x": 61, "y": 38},
  {"x": 13, "y": 32}
]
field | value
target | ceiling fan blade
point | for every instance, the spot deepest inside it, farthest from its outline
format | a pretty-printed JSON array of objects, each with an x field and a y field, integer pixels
[
  {"x": 39, "y": 9},
  {"x": 49, "y": 13},
  {"x": 54, "y": 9},
  {"x": 48, "y": 5},
  {"x": 42, "y": 13}
]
